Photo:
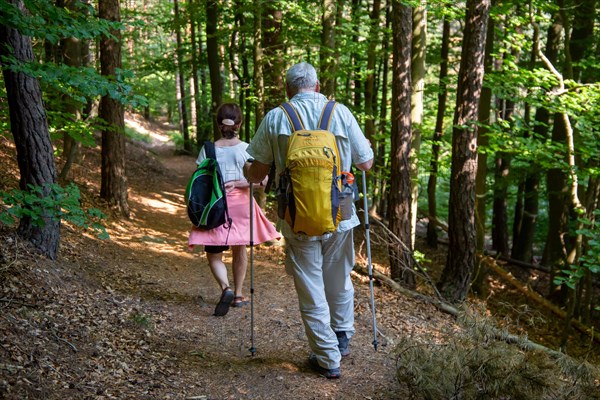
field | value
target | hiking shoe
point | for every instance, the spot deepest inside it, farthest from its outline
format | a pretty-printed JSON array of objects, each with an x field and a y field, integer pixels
[
  {"x": 343, "y": 343},
  {"x": 224, "y": 302},
  {"x": 333, "y": 373}
]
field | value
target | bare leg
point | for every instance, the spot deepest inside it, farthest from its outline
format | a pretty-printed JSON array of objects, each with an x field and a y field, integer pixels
[
  {"x": 218, "y": 269},
  {"x": 240, "y": 264}
]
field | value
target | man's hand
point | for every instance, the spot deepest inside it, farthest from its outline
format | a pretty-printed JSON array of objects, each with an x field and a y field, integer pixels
[{"x": 256, "y": 171}]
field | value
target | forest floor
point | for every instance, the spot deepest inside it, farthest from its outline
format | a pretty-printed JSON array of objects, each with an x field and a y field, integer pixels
[{"x": 132, "y": 317}]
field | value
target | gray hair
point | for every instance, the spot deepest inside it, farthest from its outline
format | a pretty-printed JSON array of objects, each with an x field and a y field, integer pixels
[{"x": 301, "y": 76}]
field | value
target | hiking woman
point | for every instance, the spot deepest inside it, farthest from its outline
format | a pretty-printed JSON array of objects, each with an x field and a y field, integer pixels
[{"x": 231, "y": 156}]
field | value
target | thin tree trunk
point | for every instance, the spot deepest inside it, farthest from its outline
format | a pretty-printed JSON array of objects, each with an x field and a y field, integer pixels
[
  {"x": 370, "y": 88},
  {"x": 206, "y": 126},
  {"x": 114, "y": 179},
  {"x": 29, "y": 127},
  {"x": 485, "y": 105},
  {"x": 259, "y": 84},
  {"x": 500, "y": 236},
  {"x": 197, "y": 104},
  {"x": 327, "y": 48},
  {"x": 71, "y": 56},
  {"x": 212, "y": 50},
  {"x": 456, "y": 276},
  {"x": 437, "y": 137},
  {"x": 419, "y": 47},
  {"x": 370, "y": 96},
  {"x": 400, "y": 195},
  {"x": 181, "y": 100},
  {"x": 355, "y": 79},
  {"x": 381, "y": 156},
  {"x": 523, "y": 244},
  {"x": 273, "y": 56}
]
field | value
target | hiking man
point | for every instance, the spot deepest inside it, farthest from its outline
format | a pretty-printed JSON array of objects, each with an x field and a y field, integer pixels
[{"x": 320, "y": 265}]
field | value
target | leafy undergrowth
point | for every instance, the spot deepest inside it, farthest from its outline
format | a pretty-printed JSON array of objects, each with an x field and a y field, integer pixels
[{"x": 131, "y": 317}]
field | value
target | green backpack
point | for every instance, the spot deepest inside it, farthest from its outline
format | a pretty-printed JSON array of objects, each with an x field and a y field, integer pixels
[{"x": 205, "y": 193}]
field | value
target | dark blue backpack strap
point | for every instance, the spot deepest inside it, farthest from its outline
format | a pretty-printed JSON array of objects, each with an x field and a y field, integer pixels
[
  {"x": 209, "y": 150},
  {"x": 292, "y": 116},
  {"x": 326, "y": 115}
]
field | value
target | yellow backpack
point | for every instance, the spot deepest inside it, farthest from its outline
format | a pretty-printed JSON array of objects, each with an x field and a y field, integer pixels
[{"x": 309, "y": 187}]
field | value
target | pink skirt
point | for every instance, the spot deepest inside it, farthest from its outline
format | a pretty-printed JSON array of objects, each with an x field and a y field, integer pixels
[{"x": 239, "y": 234}]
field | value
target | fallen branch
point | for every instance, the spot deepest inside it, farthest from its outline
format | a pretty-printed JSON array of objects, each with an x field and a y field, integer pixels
[
  {"x": 520, "y": 263},
  {"x": 449, "y": 309},
  {"x": 532, "y": 295},
  {"x": 17, "y": 302}
]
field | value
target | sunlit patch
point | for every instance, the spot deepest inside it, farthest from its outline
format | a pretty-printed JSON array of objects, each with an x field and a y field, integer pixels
[
  {"x": 159, "y": 204},
  {"x": 141, "y": 129}
]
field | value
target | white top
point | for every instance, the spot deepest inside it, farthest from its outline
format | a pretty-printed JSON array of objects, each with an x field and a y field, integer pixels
[{"x": 231, "y": 159}]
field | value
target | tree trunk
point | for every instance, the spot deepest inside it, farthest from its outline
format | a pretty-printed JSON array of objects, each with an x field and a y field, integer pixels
[
  {"x": 437, "y": 137},
  {"x": 370, "y": 95},
  {"x": 370, "y": 88},
  {"x": 181, "y": 99},
  {"x": 114, "y": 179},
  {"x": 259, "y": 83},
  {"x": 401, "y": 258},
  {"x": 273, "y": 56},
  {"x": 327, "y": 49},
  {"x": 500, "y": 236},
  {"x": 239, "y": 46},
  {"x": 72, "y": 56},
  {"x": 485, "y": 106},
  {"x": 419, "y": 47},
  {"x": 205, "y": 126},
  {"x": 557, "y": 238},
  {"x": 29, "y": 128},
  {"x": 523, "y": 244},
  {"x": 357, "y": 62},
  {"x": 381, "y": 154},
  {"x": 197, "y": 110},
  {"x": 212, "y": 50},
  {"x": 456, "y": 276}
]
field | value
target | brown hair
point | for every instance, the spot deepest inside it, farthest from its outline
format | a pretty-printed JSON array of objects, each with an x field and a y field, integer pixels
[{"x": 231, "y": 112}]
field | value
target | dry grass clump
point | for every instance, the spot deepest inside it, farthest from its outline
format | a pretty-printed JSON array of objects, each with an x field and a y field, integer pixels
[{"x": 481, "y": 362}]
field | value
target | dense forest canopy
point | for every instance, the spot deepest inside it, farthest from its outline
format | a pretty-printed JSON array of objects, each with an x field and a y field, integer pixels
[{"x": 528, "y": 126}]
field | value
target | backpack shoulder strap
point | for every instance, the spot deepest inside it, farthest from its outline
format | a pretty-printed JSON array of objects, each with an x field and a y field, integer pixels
[
  {"x": 292, "y": 116},
  {"x": 326, "y": 115},
  {"x": 209, "y": 150}
]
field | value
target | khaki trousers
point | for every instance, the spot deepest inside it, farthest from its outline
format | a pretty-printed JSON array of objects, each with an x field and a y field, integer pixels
[{"x": 321, "y": 271}]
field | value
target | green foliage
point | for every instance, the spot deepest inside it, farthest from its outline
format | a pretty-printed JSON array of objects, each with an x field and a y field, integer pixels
[
  {"x": 46, "y": 21},
  {"x": 80, "y": 130},
  {"x": 51, "y": 23},
  {"x": 137, "y": 136},
  {"x": 589, "y": 262},
  {"x": 142, "y": 320},
  {"x": 177, "y": 138},
  {"x": 56, "y": 202}
]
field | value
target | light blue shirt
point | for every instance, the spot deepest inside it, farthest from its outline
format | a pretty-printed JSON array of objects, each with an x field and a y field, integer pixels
[{"x": 270, "y": 141}]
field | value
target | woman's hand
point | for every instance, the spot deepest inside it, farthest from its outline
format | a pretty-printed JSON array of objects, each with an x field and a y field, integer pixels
[{"x": 229, "y": 186}]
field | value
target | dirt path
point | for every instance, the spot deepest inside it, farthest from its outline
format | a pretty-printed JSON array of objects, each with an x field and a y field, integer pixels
[
  {"x": 131, "y": 317},
  {"x": 213, "y": 353}
]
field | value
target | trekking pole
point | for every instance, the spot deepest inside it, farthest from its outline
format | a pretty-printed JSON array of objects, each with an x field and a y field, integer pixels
[
  {"x": 370, "y": 266},
  {"x": 252, "y": 348}
]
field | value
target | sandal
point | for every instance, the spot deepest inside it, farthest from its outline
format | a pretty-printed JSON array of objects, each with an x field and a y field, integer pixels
[
  {"x": 224, "y": 302},
  {"x": 239, "y": 301}
]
